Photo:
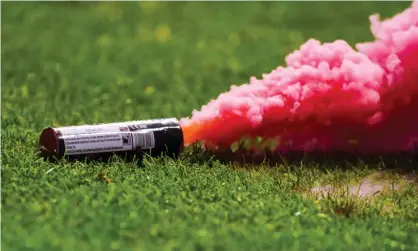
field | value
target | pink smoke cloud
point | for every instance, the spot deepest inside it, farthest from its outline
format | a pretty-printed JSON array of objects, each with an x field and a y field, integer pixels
[{"x": 328, "y": 96}]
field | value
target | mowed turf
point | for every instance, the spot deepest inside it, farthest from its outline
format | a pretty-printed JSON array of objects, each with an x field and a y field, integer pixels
[{"x": 68, "y": 63}]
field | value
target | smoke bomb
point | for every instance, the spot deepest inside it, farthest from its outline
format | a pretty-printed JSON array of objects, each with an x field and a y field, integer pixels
[{"x": 155, "y": 137}]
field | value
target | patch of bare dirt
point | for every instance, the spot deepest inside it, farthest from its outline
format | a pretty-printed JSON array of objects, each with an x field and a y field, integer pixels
[{"x": 374, "y": 184}]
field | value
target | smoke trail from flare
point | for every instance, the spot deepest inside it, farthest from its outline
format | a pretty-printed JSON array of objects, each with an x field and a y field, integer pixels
[{"x": 330, "y": 97}]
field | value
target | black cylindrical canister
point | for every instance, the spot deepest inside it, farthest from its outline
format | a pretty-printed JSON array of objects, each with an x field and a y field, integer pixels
[{"x": 155, "y": 137}]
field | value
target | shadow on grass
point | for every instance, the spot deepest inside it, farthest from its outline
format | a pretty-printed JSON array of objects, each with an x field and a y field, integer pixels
[
  {"x": 246, "y": 158},
  {"x": 243, "y": 157},
  {"x": 136, "y": 157}
]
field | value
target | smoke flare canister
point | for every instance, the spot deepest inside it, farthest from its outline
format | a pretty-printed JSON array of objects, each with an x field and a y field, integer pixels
[{"x": 155, "y": 137}]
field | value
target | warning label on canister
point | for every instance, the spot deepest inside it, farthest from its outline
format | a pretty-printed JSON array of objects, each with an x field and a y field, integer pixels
[
  {"x": 107, "y": 142},
  {"x": 130, "y": 126}
]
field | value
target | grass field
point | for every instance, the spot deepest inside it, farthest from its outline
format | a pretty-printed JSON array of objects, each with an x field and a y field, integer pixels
[{"x": 68, "y": 63}]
